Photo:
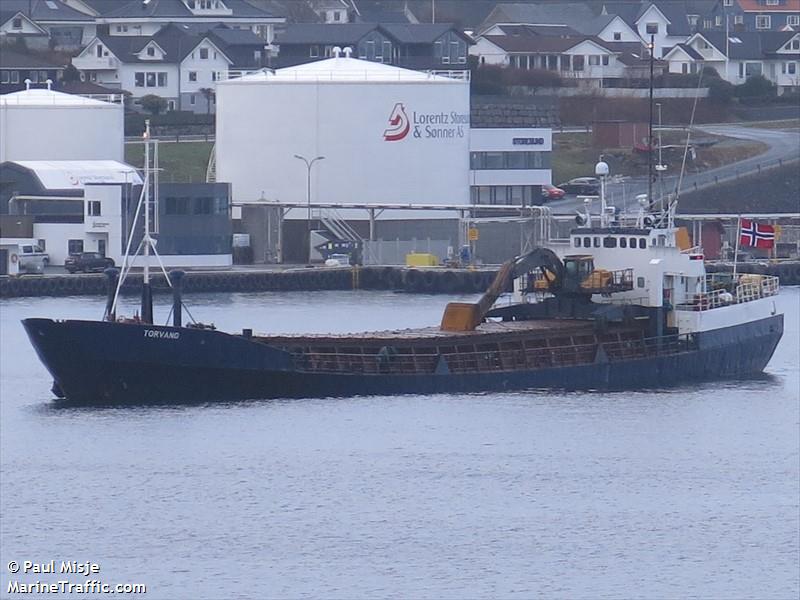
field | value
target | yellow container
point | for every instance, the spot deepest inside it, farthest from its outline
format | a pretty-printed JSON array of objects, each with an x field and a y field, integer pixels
[{"x": 420, "y": 259}]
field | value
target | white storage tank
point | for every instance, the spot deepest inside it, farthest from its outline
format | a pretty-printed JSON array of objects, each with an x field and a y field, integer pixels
[
  {"x": 388, "y": 135},
  {"x": 42, "y": 124}
]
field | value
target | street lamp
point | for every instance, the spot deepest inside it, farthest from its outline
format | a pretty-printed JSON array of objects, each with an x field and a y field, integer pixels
[{"x": 309, "y": 164}]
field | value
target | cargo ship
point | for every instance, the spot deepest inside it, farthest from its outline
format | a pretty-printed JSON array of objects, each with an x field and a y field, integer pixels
[
  {"x": 622, "y": 308},
  {"x": 622, "y": 305}
]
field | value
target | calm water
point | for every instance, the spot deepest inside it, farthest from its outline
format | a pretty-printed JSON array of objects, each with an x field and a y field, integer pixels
[{"x": 690, "y": 492}]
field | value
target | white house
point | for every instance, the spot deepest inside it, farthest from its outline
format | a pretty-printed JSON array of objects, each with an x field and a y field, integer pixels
[
  {"x": 172, "y": 64},
  {"x": 147, "y": 17},
  {"x": 571, "y": 56},
  {"x": 738, "y": 56}
]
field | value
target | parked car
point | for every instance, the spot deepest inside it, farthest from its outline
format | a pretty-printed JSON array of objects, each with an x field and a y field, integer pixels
[
  {"x": 87, "y": 262},
  {"x": 585, "y": 186},
  {"x": 32, "y": 259},
  {"x": 551, "y": 192}
]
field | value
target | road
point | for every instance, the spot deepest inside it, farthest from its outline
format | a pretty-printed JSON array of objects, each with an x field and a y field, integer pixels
[{"x": 781, "y": 145}]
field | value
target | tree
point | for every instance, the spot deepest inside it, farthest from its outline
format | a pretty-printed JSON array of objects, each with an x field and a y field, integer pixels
[
  {"x": 153, "y": 104},
  {"x": 208, "y": 94},
  {"x": 71, "y": 74},
  {"x": 756, "y": 86}
]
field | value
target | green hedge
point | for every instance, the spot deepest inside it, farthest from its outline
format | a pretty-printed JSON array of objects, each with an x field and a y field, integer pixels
[{"x": 134, "y": 122}]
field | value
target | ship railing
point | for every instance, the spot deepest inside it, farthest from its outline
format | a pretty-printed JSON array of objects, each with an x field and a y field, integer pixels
[
  {"x": 485, "y": 361},
  {"x": 751, "y": 287}
]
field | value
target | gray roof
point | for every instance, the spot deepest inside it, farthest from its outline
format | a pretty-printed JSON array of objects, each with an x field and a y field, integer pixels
[
  {"x": 102, "y": 7},
  {"x": 374, "y": 11},
  {"x": 751, "y": 44},
  {"x": 688, "y": 49},
  {"x": 177, "y": 9},
  {"x": 10, "y": 59},
  {"x": 174, "y": 40},
  {"x": 595, "y": 25},
  {"x": 351, "y": 33},
  {"x": 545, "y": 13},
  {"x": 321, "y": 33},
  {"x": 421, "y": 33},
  {"x": 41, "y": 10}
]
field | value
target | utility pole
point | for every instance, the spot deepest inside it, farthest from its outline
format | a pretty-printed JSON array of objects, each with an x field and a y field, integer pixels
[
  {"x": 309, "y": 164},
  {"x": 650, "y": 140}
]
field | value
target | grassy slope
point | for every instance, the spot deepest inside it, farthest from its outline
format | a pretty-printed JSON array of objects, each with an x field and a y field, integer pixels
[
  {"x": 183, "y": 162},
  {"x": 574, "y": 155}
]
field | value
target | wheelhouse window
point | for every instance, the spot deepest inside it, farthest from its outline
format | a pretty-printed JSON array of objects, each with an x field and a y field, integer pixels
[
  {"x": 577, "y": 242},
  {"x": 587, "y": 242},
  {"x": 597, "y": 242},
  {"x": 609, "y": 242},
  {"x": 623, "y": 242}
]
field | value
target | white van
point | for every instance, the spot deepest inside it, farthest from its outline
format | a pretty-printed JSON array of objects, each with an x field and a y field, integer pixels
[{"x": 32, "y": 259}]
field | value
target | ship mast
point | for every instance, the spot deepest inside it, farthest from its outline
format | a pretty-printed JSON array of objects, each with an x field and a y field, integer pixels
[{"x": 147, "y": 246}]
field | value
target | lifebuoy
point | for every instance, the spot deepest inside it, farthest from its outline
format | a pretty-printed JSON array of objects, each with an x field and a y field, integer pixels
[{"x": 14, "y": 258}]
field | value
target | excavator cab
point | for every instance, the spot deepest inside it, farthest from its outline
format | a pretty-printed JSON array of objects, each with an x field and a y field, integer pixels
[{"x": 577, "y": 269}]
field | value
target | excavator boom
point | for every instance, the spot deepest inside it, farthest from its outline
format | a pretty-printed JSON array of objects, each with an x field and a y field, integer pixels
[{"x": 465, "y": 316}]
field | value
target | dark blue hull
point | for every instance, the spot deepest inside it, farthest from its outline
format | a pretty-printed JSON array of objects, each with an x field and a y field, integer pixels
[{"x": 102, "y": 363}]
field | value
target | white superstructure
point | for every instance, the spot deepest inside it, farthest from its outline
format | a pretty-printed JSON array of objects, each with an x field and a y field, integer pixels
[
  {"x": 42, "y": 124},
  {"x": 387, "y": 135}
]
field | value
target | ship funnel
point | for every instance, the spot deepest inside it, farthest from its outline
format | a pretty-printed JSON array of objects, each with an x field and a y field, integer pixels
[
  {"x": 176, "y": 277},
  {"x": 112, "y": 275}
]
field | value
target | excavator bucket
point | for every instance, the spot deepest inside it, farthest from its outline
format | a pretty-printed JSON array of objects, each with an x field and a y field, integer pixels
[{"x": 461, "y": 316}]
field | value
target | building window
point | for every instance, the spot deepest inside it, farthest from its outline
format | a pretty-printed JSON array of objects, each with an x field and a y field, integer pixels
[
  {"x": 651, "y": 29},
  {"x": 752, "y": 69},
  {"x": 192, "y": 99},
  {"x": 577, "y": 62},
  {"x": 337, "y": 16},
  {"x": 773, "y": 2},
  {"x": 150, "y": 79},
  {"x": 791, "y": 68},
  {"x": 151, "y": 51},
  {"x": 793, "y": 20},
  {"x": 203, "y": 206},
  {"x": 738, "y": 19},
  {"x": 313, "y": 51},
  {"x": 693, "y": 19},
  {"x": 192, "y": 75},
  {"x": 176, "y": 206},
  {"x": 605, "y": 60},
  {"x": 763, "y": 22},
  {"x": 795, "y": 44},
  {"x": 213, "y": 75},
  {"x": 16, "y": 23},
  {"x": 640, "y": 282},
  {"x": 617, "y": 36},
  {"x": 162, "y": 80},
  {"x": 14, "y": 76},
  {"x": 718, "y": 21},
  {"x": 33, "y": 76},
  {"x": 203, "y": 53},
  {"x": 74, "y": 246},
  {"x": 99, "y": 50},
  {"x": 4, "y": 77},
  {"x": 138, "y": 79},
  {"x": 727, "y": 3},
  {"x": 707, "y": 23},
  {"x": 93, "y": 208}
]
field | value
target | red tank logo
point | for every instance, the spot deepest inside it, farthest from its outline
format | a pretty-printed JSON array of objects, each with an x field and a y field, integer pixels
[{"x": 399, "y": 124}]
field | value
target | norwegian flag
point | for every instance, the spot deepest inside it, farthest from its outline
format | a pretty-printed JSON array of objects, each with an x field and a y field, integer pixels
[{"x": 755, "y": 235}]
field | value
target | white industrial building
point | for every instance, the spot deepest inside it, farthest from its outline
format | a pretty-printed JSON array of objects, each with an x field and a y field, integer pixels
[
  {"x": 42, "y": 124},
  {"x": 388, "y": 135},
  {"x": 509, "y": 165}
]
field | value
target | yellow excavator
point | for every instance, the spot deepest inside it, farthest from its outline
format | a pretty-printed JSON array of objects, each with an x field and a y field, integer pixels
[{"x": 575, "y": 275}]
